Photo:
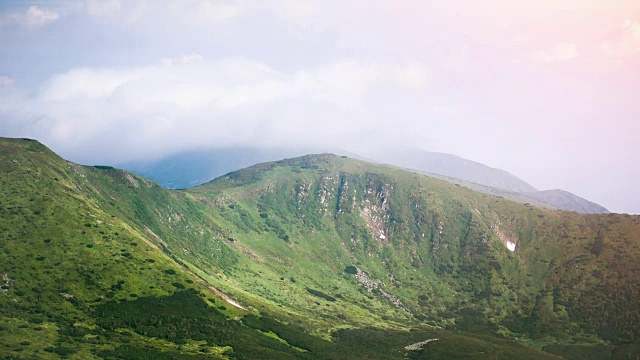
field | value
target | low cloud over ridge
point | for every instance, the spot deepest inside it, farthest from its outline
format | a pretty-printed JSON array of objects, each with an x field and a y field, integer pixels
[{"x": 226, "y": 102}]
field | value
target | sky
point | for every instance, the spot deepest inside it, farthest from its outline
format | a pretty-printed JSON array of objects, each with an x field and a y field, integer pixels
[{"x": 548, "y": 90}]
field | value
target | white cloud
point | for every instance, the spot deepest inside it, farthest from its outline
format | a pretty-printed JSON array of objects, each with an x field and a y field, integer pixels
[
  {"x": 562, "y": 52},
  {"x": 81, "y": 84},
  {"x": 33, "y": 17},
  {"x": 36, "y": 17},
  {"x": 152, "y": 109},
  {"x": 342, "y": 83},
  {"x": 624, "y": 41},
  {"x": 5, "y": 81}
]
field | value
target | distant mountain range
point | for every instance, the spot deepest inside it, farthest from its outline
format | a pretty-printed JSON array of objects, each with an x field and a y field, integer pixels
[
  {"x": 192, "y": 168},
  {"x": 566, "y": 200},
  {"x": 456, "y": 167},
  {"x": 502, "y": 183},
  {"x": 189, "y": 169}
]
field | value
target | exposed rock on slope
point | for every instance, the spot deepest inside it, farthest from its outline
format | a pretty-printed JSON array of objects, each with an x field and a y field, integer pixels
[{"x": 284, "y": 239}]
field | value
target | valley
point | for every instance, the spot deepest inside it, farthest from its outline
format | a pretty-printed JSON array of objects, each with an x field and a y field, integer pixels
[{"x": 320, "y": 256}]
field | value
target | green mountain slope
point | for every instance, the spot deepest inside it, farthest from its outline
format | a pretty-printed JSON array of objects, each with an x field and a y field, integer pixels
[
  {"x": 347, "y": 256},
  {"x": 80, "y": 282},
  {"x": 437, "y": 251}
]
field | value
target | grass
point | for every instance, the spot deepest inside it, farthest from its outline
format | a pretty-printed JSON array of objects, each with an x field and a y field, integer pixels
[{"x": 102, "y": 263}]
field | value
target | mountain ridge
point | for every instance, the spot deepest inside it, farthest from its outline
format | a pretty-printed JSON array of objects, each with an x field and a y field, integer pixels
[
  {"x": 321, "y": 243},
  {"x": 567, "y": 200},
  {"x": 456, "y": 167},
  {"x": 189, "y": 169}
]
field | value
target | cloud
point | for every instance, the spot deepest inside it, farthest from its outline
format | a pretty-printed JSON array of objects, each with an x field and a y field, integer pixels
[
  {"x": 322, "y": 72},
  {"x": 562, "y": 52},
  {"x": 5, "y": 81},
  {"x": 624, "y": 41},
  {"x": 33, "y": 17},
  {"x": 36, "y": 17},
  {"x": 189, "y": 101},
  {"x": 80, "y": 84}
]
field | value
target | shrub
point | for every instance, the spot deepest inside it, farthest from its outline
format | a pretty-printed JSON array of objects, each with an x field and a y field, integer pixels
[
  {"x": 351, "y": 270},
  {"x": 321, "y": 295}
]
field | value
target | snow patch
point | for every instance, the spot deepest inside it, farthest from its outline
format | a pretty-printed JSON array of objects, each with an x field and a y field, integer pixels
[
  {"x": 233, "y": 303},
  {"x": 506, "y": 237},
  {"x": 419, "y": 345}
]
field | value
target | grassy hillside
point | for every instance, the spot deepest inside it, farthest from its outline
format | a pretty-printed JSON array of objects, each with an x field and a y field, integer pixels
[
  {"x": 81, "y": 282},
  {"x": 77, "y": 278},
  {"x": 437, "y": 248},
  {"x": 354, "y": 260}
]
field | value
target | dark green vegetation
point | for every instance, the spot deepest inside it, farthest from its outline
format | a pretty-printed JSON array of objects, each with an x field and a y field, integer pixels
[{"x": 330, "y": 257}]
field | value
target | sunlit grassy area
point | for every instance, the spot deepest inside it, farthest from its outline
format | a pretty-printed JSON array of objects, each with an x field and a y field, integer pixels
[{"x": 328, "y": 256}]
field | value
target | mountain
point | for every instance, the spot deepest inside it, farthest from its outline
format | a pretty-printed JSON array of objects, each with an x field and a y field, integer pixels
[
  {"x": 455, "y": 167},
  {"x": 491, "y": 180},
  {"x": 193, "y": 168},
  {"x": 317, "y": 257},
  {"x": 566, "y": 200},
  {"x": 551, "y": 199}
]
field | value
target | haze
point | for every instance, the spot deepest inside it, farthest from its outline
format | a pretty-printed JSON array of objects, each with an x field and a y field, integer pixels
[{"x": 547, "y": 90}]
